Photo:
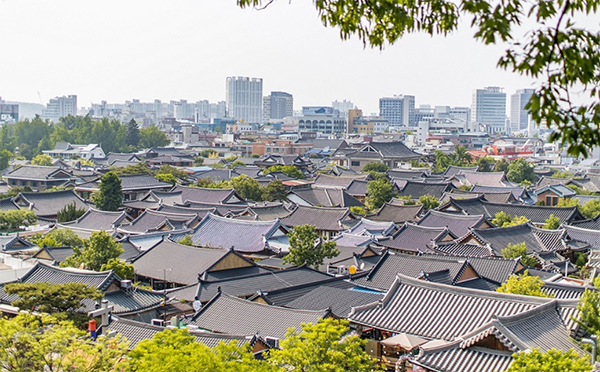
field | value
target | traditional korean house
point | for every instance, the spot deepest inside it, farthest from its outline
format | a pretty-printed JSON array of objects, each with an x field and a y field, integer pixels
[
  {"x": 150, "y": 221},
  {"x": 397, "y": 213},
  {"x": 329, "y": 222},
  {"x": 549, "y": 195},
  {"x": 318, "y": 196},
  {"x": 392, "y": 154},
  {"x": 46, "y": 205},
  {"x": 38, "y": 178},
  {"x": 96, "y": 220},
  {"x": 458, "y": 224},
  {"x": 414, "y": 189},
  {"x": 415, "y": 239},
  {"x": 134, "y": 186}
]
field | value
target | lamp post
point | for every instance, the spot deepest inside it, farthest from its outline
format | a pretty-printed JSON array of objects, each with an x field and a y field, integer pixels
[{"x": 592, "y": 340}]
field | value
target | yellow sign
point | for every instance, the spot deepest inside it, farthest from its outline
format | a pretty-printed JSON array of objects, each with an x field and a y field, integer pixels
[{"x": 352, "y": 270}]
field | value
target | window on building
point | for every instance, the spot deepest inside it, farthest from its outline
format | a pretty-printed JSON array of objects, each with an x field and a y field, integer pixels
[{"x": 355, "y": 163}]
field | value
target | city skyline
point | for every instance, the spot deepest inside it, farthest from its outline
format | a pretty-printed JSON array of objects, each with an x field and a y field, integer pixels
[{"x": 157, "y": 58}]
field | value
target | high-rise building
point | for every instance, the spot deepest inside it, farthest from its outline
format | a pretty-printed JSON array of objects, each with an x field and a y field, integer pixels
[
  {"x": 278, "y": 105},
  {"x": 60, "y": 107},
  {"x": 343, "y": 106},
  {"x": 519, "y": 117},
  {"x": 244, "y": 99},
  {"x": 9, "y": 113},
  {"x": 398, "y": 110},
  {"x": 489, "y": 109}
]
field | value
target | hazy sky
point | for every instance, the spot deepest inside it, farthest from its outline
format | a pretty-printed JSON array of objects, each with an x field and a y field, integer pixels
[{"x": 116, "y": 50}]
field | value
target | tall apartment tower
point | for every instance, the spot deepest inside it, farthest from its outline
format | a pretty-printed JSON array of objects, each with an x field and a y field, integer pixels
[
  {"x": 398, "y": 110},
  {"x": 278, "y": 105},
  {"x": 59, "y": 107},
  {"x": 489, "y": 109},
  {"x": 244, "y": 98},
  {"x": 519, "y": 117}
]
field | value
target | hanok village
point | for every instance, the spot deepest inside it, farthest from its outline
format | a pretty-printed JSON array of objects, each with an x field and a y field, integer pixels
[{"x": 458, "y": 269}]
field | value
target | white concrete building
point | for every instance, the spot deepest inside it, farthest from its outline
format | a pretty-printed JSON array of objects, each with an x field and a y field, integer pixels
[
  {"x": 60, "y": 107},
  {"x": 489, "y": 109},
  {"x": 244, "y": 98}
]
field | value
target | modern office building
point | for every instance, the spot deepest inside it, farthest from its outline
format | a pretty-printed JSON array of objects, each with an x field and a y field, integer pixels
[
  {"x": 9, "y": 113},
  {"x": 277, "y": 105},
  {"x": 398, "y": 110},
  {"x": 489, "y": 109},
  {"x": 320, "y": 119},
  {"x": 60, "y": 107},
  {"x": 244, "y": 99},
  {"x": 519, "y": 117},
  {"x": 357, "y": 123}
]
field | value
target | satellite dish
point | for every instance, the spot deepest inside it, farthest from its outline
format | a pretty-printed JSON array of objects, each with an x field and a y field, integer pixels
[
  {"x": 197, "y": 305},
  {"x": 352, "y": 269}
]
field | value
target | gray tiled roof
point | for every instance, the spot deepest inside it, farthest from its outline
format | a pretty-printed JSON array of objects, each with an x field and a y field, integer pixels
[
  {"x": 534, "y": 213},
  {"x": 202, "y": 195},
  {"x": 232, "y": 315},
  {"x": 473, "y": 359},
  {"x": 201, "y": 212},
  {"x": 518, "y": 192},
  {"x": 326, "y": 197},
  {"x": 453, "y": 169},
  {"x": 406, "y": 173},
  {"x": 438, "y": 311},
  {"x": 36, "y": 172},
  {"x": 414, "y": 238},
  {"x": 493, "y": 179},
  {"x": 344, "y": 182},
  {"x": 245, "y": 236},
  {"x": 589, "y": 236},
  {"x": 339, "y": 300},
  {"x": 491, "y": 268},
  {"x": 184, "y": 262},
  {"x": 565, "y": 291},
  {"x": 376, "y": 228},
  {"x": 248, "y": 285},
  {"x": 97, "y": 220},
  {"x": 14, "y": 242},
  {"x": 536, "y": 239},
  {"x": 135, "y": 332},
  {"x": 495, "y": 197},
  {"x": 457, "y": 223},
  {"x": 455, "y": 248},
  {"x": 358, "y": 188},
  {"x": 398, "y": 214},
  {"x": 416, "y": 189},
  {"x": 352, "y": 240},
  {"x": 396, "y": 149},
  {"x": 383, "y": 275},
  {"x": 154, "y": 220},
  {"x": 48, "y": 204},
  {"x": 7, "y": 204},
  {"x": 58, "y": 254},
  {"x": 538, "y": 328},
  {"x": 136, "y": 301},
  {"x": 591, "y": 224},
  {"x": 327, "y": 219}
]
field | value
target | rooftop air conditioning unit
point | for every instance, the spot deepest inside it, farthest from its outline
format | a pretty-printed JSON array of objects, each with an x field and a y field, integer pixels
[
  {"x": 126, "y": 284},
  {"x": 158, "y": 322}
]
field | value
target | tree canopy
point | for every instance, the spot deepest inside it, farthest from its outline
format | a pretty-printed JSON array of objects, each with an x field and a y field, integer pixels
[
  {"x": 520, "y": 171},
  {"x": 551, "y": 361},
  {"x": 70, "y": 212},
  {"x": 289, "y": 170},
  {"x": 58, "y": 238},
  {"x": 524, "y": 284},
  {"x": 110, "y": 196},
  {"x": 552, "y": 223},
  {"x": 307, "y": 248},
  {"x": 63, "y": 301},
  {"x": 96, "y": 252},
  {"x": 14, "y": 219},
  {"x": 503, "y": 219},
  {"x": 553, "y": 49},
  {"x": 379, "y": 192},
  {"x": 513, "y": 251}
]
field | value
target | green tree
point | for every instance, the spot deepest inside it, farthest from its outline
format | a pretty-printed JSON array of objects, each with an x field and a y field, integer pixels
[
  {"x": 486, "y": 164},
  {"x": 551, "y": 361},
  {"x": 562, "y": 174},
  {"x": 591, "y": 208},
  {"x": 175, "y": 172},
  {"x": 359, "y": 211},
  {"x": 323, "y": 346},
  {"x": 138, "y": 168},
  {"x": 568, "y": 202},
  {"x": 524, "y": 285},
  {"x": 379, "y": 192},
  {"x": 152, "y": 137},
  {"x": 157, "y": 355},
  {"x": 375, "y": 167},
  {"x": 198, "y": 161},
  {"x": 501, "y": 166},
  {"x": 120, "y": 267},
  {"x": 58, "y": 238},
  {"x": 186, "y": 240},
  {"x": 5, "y": 157},
  {"x": 429, "y": 202},
  {"x": 520, "y": 170},
  {"x": 133, "y": 134},
  {"x": 552, "y": 223},
  {"x": 70, "y": 212},
  {"x": 589, "y": 311},
  {"x": 307, "y": 248},
  {"x": 14, "y": 219},
  {"x": 97, "y": 251},
  {"x": 42, "y": 343},
  {"x": 63, "y": 301},
  {"x": 289, "y": 170},
  {"x": 43, "y": 160},
  {"x": 247, "y": 187},
  {"x": 461, "y": 157},
  {"x": 274, "y": 191},
  {"x": 555, "y": 50},
  {"x": 442, "y": 161},
  {"x": 501, "y": 219},
  {"x": 110, "y": 196},
  {"x": 167, "y": 177},
  {"x": 519, "y": 250}
]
